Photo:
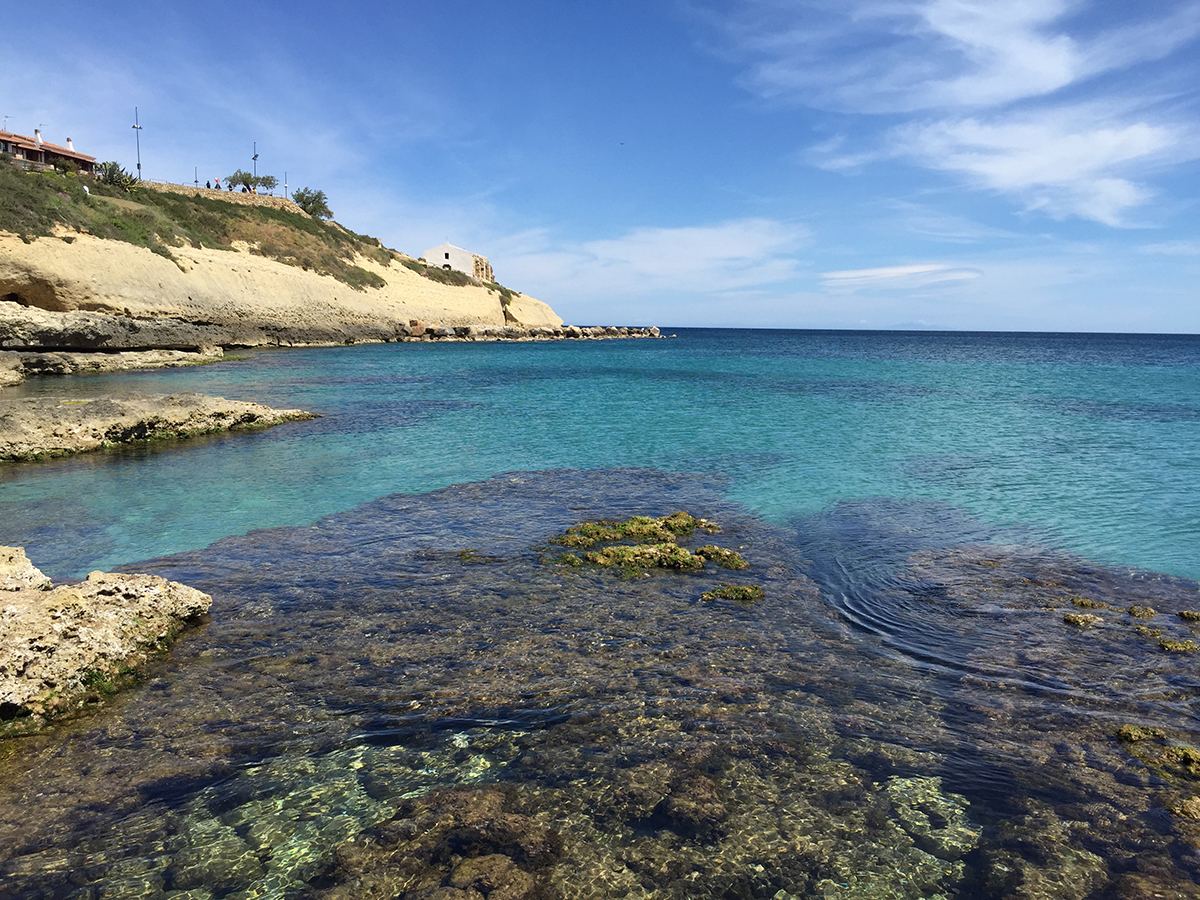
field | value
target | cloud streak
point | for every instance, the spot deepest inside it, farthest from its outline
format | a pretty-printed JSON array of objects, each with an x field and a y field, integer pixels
[
  {"x": 896, "y": 277},
  {"x": 1011, "y": 97},
  {"x": 709, "y": 259}
]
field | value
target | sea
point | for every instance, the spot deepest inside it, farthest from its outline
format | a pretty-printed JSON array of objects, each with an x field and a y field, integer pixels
[{"x": 959, "y": 669}]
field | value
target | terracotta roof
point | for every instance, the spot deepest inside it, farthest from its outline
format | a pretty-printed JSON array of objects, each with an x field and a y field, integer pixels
[{"x": 29, "y": 143}]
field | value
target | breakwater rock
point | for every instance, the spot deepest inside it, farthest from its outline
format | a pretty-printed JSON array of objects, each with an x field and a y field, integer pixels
[
  {"x": 48, "y": 427},
  {"x": 64, "y": 647}
]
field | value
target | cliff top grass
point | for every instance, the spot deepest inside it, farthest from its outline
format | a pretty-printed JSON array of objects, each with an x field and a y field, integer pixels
[
  {"x": 34, "y": 204},
  {"x": 37, "y": 204}
]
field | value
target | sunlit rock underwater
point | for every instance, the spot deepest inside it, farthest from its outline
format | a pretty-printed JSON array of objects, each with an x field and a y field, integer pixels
[{"x": 418, "y": 698}]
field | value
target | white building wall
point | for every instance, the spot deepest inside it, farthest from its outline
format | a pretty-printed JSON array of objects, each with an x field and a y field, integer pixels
[{"x": 449, "y": 256}]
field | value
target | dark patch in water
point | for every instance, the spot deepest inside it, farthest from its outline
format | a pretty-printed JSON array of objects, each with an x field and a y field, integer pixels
[{"x": 1126, "y": 412}]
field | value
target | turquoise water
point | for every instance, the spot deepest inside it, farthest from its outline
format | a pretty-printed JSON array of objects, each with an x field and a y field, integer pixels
[
  {"x": 1089, "y": 443},
  {"x": 403, "y": 691}
]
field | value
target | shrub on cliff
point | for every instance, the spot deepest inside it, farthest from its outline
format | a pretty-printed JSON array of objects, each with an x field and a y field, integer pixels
[{"x": 315, "y": 203}]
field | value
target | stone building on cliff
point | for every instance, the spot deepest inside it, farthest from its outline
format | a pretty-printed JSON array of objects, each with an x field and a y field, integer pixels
[
  {"x": 35, "y": 153},
  {"x": 448, "y": 256}
]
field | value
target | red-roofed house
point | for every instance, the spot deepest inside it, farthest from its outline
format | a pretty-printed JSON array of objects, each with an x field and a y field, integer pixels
[{"x": 35, "y": 153}]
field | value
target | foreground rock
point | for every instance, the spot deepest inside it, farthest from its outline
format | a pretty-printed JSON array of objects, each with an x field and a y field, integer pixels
[
  {"x": 63, "y": 647},
  {"x": 41, "y": 428}
]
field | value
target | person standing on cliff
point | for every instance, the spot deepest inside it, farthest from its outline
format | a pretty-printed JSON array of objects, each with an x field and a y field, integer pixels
[
  {"x": 218, "y": 183},
  {"x": 208, "y": 186}
]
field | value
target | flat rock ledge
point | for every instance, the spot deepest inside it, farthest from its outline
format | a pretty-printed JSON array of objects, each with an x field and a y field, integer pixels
[
  {"x": 62, "y": 648},
  {"x": 16, "y": 366},
  {"x": 41, "y": 428}
]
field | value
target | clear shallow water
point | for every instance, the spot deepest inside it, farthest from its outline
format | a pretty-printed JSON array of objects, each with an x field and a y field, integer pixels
[
  {"x": 1088, "y": 442},
  {"x": 905, "y": 714}
]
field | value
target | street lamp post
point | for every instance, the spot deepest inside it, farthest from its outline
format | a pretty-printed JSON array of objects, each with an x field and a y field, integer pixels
[{"x": 137, "y": 136}]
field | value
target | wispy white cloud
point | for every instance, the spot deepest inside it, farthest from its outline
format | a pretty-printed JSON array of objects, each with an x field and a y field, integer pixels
[
  {"x": 709, "y": 259},
  {"x": 1067, "y": 162},
  {"x": 890, "y": 56},
  {"x": 897, "y": 277},
  {"x": 1005, "y": 95},
  {"x": 1173, "y": 248}
]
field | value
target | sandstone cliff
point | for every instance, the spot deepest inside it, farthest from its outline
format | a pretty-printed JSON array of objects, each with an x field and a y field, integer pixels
[{"x": 77, "y": 291}]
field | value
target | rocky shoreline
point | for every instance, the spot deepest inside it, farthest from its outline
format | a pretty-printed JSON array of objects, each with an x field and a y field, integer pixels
[
  {"x": 64, "y": 647},
  {"x": 43, "y": 428}
]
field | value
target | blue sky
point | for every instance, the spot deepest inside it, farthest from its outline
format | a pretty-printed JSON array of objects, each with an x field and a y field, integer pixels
[{"x": 1009, "y": 165}]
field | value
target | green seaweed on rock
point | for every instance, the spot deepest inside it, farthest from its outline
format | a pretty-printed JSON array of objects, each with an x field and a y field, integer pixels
[
  {"x": 743, "y": 593},
  {"x": 1171, "y": 646},
  {"x": 726, "y": 559},
  {"x": 640, "y": 543},
  {"x": 654, "y": 556},
  {"x": 640, "y": 529}
]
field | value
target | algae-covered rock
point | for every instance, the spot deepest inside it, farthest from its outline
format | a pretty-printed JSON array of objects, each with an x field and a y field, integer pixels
[
  {"x": 1081, "y": 620},
  {"x": 726, "y": 559},
  {"x": 743, "y": 593},
  {"x": 639, "y": 529},
  {"x": 1173, "y": 646},
  {"x": 644, "y": 542},
  {"x": 653, "y": 556},
  {"x": 1133, "y": 733}
]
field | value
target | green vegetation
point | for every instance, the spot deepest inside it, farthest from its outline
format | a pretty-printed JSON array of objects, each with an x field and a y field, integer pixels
[
  {"x": 726, "y": 559},
  {"x": 315, "y": 203},
  {"x": 640, "y": 529},
  {"x": 645, "y": 556},
  {"x": 745, "y": 593},
  {"x": 644, "y": 542},
  {"x": 250, "y": 182},
  {"x": 1133, "y": 733},
  {"x": 1171, "y": 646},
  {"x": 111, "y": 173},
  {"x": 506, "y": 294},
  {"x": 33, "y": 204},
  {"x": 441, "y": 276}
]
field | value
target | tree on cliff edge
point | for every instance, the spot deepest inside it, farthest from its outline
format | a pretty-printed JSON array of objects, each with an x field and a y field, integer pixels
[{"x": 315, "y": 203}]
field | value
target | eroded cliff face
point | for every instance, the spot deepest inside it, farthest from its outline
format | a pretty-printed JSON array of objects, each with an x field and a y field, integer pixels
[{"x": 81, "y": 292}]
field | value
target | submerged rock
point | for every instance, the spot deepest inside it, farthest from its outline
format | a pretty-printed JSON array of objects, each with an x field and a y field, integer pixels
[{"x": 62, "y": 647}]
